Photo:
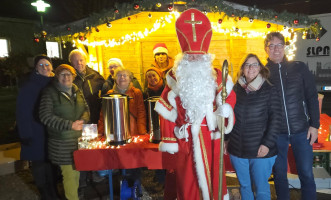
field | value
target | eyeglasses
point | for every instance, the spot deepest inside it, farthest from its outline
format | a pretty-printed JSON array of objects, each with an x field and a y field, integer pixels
[
  {"x": 278, "y": 46},
  {"x": 122, "y": 75},
  {"x": 113, "y": 66},
  {"x": 65, "y": 75},
  {"x": 41, "y": 65},
  {"x": 251, "y": 65}
]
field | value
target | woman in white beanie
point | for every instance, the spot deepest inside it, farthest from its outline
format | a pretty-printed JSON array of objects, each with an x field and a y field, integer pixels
[{"x": 112, "y": 65}]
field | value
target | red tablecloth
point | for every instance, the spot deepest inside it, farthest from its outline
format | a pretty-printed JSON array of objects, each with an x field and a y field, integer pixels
[
  {"x": 133, "y": 155},
  {"x": 145, "y": 154}
]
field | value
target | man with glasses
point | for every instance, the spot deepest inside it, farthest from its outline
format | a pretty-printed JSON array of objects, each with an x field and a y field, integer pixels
[{"x": 300, "y": 117}]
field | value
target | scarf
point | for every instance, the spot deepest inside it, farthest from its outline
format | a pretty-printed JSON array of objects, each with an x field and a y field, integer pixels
[
  {"x": 253, "y": 85},
  {"x": 157, "y": 86}
]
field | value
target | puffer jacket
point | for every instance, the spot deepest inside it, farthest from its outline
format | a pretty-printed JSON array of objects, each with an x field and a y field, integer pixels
[
  {"x": 91, "y": 84},
  {"x": 257, "y": 121},
  {"x": 58, "y": 111},
  {"x": 298, "y": 96}
]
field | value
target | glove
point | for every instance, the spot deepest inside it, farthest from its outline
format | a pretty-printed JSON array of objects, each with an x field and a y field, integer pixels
[{"x": 224, "y": 110}]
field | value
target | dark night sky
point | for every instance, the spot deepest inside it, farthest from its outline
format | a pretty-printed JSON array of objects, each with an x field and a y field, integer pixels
[{"x": 64, "y": 11}]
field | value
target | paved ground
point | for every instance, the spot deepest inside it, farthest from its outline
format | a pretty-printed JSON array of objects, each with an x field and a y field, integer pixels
[{"x": 20, "y": 186}]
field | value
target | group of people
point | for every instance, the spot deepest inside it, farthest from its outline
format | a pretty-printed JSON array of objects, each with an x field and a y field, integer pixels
[
  {"x": 274, "y": 105},
  {"x": 53, "y": 106}
]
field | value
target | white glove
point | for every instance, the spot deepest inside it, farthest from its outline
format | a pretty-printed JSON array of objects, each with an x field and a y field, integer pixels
[{"x": 224, "y": 110}]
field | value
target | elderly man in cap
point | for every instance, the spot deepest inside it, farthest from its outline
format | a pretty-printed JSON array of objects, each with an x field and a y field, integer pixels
[{"x": 189, "y": 107}]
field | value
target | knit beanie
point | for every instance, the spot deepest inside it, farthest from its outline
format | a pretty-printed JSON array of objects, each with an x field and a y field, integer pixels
[
  {"x": 39, "y": 57},
  {"x": 116, "y": 60},
  {"x": 160, "y": 48},
  {"x": 62, "y": 67},
  {"x": 158, "y": 71}
]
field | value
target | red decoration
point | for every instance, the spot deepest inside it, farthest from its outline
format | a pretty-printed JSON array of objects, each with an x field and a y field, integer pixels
[
  {"x": 239, "y": 18},
  {"x": 276, "y": 16},
  {"x": 129, "y": 18},
  {"x": 317, "y": 39},
  {"x": 68, "y": 28},
  {"x": 220, "y": 21},
  {"x": 116, "y": 11},
  {"x": 268, "y": 25},
  {"x": 170, "y": 8},
  {"x": 36, "y": 39},
  {"x": 136, "y": 6},
  {"x": 232, "y": 15},
  {"x": 296, "y": 21},
  {"x": 193, "y": 41},
  {"x": 97, "y": 30},
  {"x": 316, "y": 23},
  {"x": 81, "y": 38}
]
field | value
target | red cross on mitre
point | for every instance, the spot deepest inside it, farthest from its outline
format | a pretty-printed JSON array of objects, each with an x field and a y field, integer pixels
[{"x": 194, "y": 32}]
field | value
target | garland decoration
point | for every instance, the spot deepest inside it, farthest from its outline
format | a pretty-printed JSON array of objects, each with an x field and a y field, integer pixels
[{"x": 126, "y": 9}]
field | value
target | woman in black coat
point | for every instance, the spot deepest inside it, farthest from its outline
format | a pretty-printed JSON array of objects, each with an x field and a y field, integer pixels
[
  {"x": 252, "y": 143},
  {"x": 31, "y": 131}
]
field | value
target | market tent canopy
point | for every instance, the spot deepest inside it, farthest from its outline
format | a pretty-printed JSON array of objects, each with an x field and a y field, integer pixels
[{"x": 132, "y": 39}]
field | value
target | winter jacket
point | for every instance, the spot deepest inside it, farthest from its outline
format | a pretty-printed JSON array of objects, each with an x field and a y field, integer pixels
[
  {"x": 31, "y": 130},
  {"x": 298, "y": 96},
  {"x": 91, "y": 84},
  {"x": 257, "y": 121},
  {"x": 58, "y": 111},
  {"x": 151, "y": 93}
]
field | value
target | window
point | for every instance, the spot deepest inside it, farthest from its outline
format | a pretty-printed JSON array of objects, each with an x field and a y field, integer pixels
[
  {"x": 4, "y": 48},
  {"x": 53, "y": 49}
]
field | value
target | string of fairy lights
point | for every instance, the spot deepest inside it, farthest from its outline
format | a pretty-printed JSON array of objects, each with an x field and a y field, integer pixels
[{"x": 234, "y": 32}]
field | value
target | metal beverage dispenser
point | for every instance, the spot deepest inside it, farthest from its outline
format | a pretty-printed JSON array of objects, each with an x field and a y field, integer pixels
[
  {"x": 153, "y": 121},
  {"x": 115, "y": 111}
]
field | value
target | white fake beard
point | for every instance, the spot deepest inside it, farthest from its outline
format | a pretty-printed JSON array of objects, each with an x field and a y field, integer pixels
[{"x": 196, "y": 84}]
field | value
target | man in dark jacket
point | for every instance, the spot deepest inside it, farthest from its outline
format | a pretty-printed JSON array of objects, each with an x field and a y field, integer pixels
[
  {"x": 300, "y": 117},
  {"x": 89, "y": 81}
]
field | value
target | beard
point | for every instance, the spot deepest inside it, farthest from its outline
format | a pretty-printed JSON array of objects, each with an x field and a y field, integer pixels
[{"x": 196, "y": 82}]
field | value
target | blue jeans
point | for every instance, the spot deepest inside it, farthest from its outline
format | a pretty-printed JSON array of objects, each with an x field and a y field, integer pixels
[
  {"x": 254, "y": 171},
  {"x": 303, "y": 154}
]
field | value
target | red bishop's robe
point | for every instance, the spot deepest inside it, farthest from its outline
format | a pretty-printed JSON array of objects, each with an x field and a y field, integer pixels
[{"x": 197, "y": 170}]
